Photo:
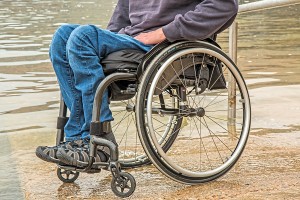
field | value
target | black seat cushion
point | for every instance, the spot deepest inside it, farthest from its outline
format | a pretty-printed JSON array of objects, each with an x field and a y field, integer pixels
[
  {"x": 126, "y": 60},
  {"x": 123, "y": 60}
]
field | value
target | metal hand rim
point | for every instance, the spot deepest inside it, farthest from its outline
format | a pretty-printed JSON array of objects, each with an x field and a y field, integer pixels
[{"x": 243, "y": 138}]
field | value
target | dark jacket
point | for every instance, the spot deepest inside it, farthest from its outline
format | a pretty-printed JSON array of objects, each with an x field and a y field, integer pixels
[{"x": 180, "y": 19}]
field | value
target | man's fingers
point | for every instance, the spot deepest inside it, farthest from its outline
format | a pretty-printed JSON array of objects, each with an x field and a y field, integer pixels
[
  {"x": 152, "y": 37},
  {"x": 142, "y": 38}
]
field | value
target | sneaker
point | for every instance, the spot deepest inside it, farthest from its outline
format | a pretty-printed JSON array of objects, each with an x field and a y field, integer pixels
[
  {"x": 49, "y": 154},
  {"x": 79, "y": 157}
]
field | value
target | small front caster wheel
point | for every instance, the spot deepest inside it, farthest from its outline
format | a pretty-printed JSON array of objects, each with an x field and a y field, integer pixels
[
  {"x": 123, "y": 186},
  {"x": 67, "y": 176}
]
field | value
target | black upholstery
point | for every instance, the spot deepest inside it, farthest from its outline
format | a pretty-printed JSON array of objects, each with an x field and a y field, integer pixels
[{"x": 136, "y": 61}]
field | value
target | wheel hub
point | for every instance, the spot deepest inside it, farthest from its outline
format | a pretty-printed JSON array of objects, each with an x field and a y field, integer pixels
[
  {"x": 200, "y": 112},
  {"x": 193, "y": 112}
]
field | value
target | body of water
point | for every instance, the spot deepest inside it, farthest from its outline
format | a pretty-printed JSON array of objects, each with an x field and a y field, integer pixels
[{"x": 268, "y": 52}]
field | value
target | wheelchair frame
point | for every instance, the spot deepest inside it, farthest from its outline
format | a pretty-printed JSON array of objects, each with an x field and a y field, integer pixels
[{"x": 155, "y": 153}]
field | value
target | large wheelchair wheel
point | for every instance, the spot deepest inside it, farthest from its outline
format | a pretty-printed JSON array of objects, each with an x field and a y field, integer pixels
[
  {"x": 131, "y": 153},
  {"x": 208, "y": 86}
]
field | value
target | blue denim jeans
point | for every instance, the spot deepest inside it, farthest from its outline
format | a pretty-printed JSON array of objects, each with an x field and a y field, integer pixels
[{"x": 75, "y": 53}]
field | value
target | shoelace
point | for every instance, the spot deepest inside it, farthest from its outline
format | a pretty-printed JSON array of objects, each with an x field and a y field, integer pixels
[
  {"x": 81, "y": 145},
  {"x": 72, "y": 144}
]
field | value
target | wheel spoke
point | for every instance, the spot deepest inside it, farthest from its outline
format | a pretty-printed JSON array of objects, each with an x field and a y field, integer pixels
[
  {"x": 203, "y": 145},
  {"x": 221, "y": 74},
  {"x": 205, "y": 124},
  {"x": 224, "y": 128},
  {"x": 212, "y": 137},
  {"x": 203, "y": 132},
  {"x": 127, "y": 187}
]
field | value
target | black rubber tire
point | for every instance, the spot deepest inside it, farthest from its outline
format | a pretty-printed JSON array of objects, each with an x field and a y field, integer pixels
[
  {"x": 67, "y": 173},
  {"x": 143, "y": 89},
  {"x": 126, "y": 178}
]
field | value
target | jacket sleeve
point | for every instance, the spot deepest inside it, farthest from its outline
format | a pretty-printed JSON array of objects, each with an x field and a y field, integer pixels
[
  {"x": 120, "y": 17},
  {"x": 208, "y": 18}
]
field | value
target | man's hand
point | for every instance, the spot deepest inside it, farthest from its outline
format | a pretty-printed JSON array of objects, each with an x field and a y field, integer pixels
[{"x": 153, "y": 37}]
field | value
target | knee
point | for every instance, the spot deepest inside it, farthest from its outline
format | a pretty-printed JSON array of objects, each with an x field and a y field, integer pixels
[
  {"x": 83, "y": 30},
  {"x": 86, "y": 37},
  {"x": 80, "y": 33},
  {"x": 66, "y": 28},
  {"x": 63, "y": 32},
  {"x": 60, "y": 38}
]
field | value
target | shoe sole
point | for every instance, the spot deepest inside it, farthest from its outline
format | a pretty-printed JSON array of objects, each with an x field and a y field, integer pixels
[
  {"x": 40, "y": 154},
  {"x": 64, "y": 158},
  {"x": 68, "y": 160}
]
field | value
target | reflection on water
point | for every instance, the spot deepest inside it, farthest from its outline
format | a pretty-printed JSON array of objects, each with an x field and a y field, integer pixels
[
  {"x": 269, "y": 41},
  {"x": 27, "y": 27},
  {"x": 28, "y": 82},
  {"x": 10, "y": 185},
  {"x": 268, "y": 55},
  {"x": 28, "y": 88}
]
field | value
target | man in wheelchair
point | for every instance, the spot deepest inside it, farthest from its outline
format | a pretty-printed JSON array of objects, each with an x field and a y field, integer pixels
[{"x": 77, "y": 51}]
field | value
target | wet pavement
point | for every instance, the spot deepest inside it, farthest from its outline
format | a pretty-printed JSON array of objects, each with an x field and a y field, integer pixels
[
  {"x": 268, "y": 169},
  {"x": 269, "y": 58}
]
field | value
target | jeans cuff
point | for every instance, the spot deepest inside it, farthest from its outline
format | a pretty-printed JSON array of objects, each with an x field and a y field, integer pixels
[
  {"x": 70, "y": 139},
  {"x": 87, "y": 137}
]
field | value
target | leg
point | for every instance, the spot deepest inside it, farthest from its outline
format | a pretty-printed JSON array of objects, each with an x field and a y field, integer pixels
[
  {"x": 65, "y": 76},
  {"x": 85, "y": 48}
]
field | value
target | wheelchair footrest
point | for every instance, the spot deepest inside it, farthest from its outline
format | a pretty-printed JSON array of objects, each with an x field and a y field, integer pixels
[{"x": 72, "y": 168}]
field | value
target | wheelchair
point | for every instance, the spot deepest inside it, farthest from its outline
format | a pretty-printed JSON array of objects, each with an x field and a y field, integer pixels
[{"x": 171, "y": 108}]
